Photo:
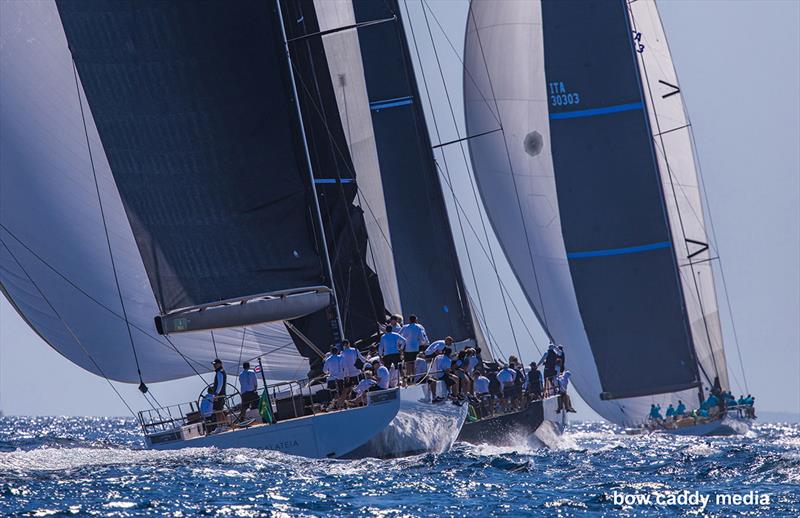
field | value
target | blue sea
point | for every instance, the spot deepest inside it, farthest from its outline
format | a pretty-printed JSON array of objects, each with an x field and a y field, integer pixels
[{"x": 68, "y": 466}]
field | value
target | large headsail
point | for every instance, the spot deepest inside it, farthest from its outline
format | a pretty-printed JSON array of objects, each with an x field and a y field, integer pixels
[
  {"x": 574, "y": 191},
  {"x": 428, "y": 271},
  {"x": 55, "y": 266}
]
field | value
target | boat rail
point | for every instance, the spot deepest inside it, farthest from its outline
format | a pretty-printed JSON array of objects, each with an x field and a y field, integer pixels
[{"x": 303, "y": 396}]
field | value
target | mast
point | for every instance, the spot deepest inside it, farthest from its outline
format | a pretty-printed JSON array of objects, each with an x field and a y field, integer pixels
[{"x": 337, "y": 326}]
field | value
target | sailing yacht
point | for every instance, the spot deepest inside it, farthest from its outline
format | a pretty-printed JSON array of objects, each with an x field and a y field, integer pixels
[
  {"x": 185, "y": 181},
  {"x": 584, "y": 158}
]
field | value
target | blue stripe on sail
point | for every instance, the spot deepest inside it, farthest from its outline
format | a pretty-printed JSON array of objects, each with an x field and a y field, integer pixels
[
  {"x": 619, "y": 251},
  {"x": 333, "y": 180},
  {"x": 596, "y": 111},
  {"x": 390, "y": 103}
]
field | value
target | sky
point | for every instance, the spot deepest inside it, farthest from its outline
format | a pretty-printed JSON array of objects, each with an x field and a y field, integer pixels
[{"x": 739, "y": 67}]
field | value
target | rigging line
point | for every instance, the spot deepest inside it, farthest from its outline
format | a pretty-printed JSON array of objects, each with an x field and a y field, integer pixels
[
  {"x": 490, "y": 337},
  {"x": 214, "y": 343},
  {"x": 464, "y": 66},
  {"x": 659, "y": 145},
  {"x": 342, "y": 81},
  {"x": 502, "y": 284},
  {"x": 378, "y": 313},
  {"x": 675, "y": 197},
  {"x": 443, "y": 144},
  {"x": 68, "y": 328},
  {"x": 432, "y": 186},
  {"x": 513, "y": 176},
  {"x": 105, "y": 224},
  {"x": 375, "y": 218},
  {"x": 340, "y": 185},
  {"x": 446, "y": 168},
  {"x": 241, "y": 350},
  {"x": 716, "y": 245},
  {"x": 467, "y": 168},
  {"x": 84, "y": 293},
  {"x": 185, "y": 359},
  {"x": 399, "y": 267},
  {"x": 344, "y": 28}
]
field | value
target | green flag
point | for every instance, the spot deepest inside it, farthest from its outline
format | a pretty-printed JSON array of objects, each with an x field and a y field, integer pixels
[{"x": 265, "y": 408}]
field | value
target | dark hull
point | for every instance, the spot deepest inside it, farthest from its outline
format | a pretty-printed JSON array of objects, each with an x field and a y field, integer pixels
[{"x": 507, "y": 429}]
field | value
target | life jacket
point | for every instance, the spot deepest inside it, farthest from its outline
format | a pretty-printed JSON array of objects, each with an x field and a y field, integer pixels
[{"x": 224, "y": 381}]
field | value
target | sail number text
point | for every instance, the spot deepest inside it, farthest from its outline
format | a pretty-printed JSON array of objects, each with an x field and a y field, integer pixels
[{"x": 559, "y": 96}]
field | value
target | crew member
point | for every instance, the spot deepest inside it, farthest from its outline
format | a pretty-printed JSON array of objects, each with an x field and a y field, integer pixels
[
  {"x": 382, "y": 376},
  {"x": 248, "y": 385},
  {"x": 390, "y": 347},
  {"x": 436, "y": 347},
  {"x": 350, "y": 356},
  {"x": 562, "y": 383},
  {"x": 220, "y": 382},
  {"x": 332, "y": 366}
]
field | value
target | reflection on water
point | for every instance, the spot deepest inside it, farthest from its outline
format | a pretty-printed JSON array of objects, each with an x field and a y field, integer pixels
[{"x": 98, "y": 466}]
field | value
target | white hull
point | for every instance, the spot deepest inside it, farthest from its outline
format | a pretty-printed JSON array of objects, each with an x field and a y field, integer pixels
[
  {"x": 326, "y": 435},
  {"x": 726, "y": 426},
  {"x": 419, "y": 426},
  {"x": 397, "y": 422},
  {"x": 720, "y": 427}
]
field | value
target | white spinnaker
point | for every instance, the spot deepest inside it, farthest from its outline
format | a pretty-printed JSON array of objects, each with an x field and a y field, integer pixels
[
  {"x": 504, "y": 85},
  {"x": 677, "y": 165},
  {"x": 52, "y": 231},
  {"x": 343, "y": 52}
]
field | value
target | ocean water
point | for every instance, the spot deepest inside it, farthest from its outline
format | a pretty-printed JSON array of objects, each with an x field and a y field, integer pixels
[{"x": 97, "y": 466}]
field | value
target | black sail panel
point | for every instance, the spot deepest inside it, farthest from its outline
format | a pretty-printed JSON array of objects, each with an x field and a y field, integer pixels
[
  {"x": 613, "y": 216},
  {"x": 360, "y": 300},
  {"x": 428, "y": 272},
  {"x": 192, "y": 104}
]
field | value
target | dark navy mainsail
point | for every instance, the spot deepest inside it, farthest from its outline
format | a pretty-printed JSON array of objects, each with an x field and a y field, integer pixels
[
  {"x": 612, "y": 209},
  {"x": 428, "y": 271}
]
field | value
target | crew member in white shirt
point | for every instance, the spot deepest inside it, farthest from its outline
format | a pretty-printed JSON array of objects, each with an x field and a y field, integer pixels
[
  {"x": 481, "y": 385},
  {"x": 440, "y": 371},
  {"x": 365, "y": 385},
  {"x": 207, "y": 409},
  {"x": 350, "y": 355},
  {"x": 381, "y": 374},
  {"x": 436, "y": 347},
  {"x": 332, "y": 366},
  {"x": 390, "y": 346},
  {"x": 416, "y": 339},
  {"x": 506, "y": 379},
  {"x": 248, "y": 386}
]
